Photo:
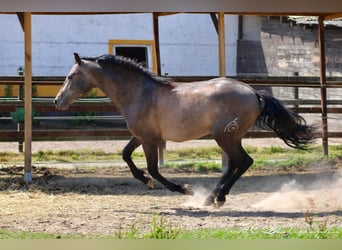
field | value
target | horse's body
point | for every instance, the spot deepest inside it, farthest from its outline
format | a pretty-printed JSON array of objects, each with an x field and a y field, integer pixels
[
  {"x": 157, "y": 109},
  {"x": 191, "y": 110}
]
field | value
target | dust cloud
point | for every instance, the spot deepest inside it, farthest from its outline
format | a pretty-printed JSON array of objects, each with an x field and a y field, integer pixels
[
  {"x": 198, "y": 199},
  {"x": 320, "y": 195}
]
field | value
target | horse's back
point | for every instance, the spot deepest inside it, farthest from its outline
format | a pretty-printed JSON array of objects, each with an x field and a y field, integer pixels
[
  {"x": 218, "y": 90},
  {"x": 215, "y": 85}
]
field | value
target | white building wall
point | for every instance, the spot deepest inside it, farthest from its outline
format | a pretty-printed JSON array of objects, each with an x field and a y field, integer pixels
[
  {"x": 11, "y": 45},
  {"x": 189, "y": 45},
  {"x": 188, "y": 42}
]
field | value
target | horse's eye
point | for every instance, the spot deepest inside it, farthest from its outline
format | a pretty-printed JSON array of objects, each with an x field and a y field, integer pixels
[{"x": 69, "y": 77}]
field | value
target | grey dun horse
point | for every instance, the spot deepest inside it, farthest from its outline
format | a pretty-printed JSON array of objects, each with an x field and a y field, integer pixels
[{"x": 158, "y": 109}]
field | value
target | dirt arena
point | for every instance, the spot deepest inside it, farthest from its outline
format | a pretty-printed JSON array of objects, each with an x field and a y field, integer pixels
[{"x": 107, "y": 200}]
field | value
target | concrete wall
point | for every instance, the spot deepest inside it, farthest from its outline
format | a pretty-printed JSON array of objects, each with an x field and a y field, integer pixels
[{"x": 188, "y": 42}]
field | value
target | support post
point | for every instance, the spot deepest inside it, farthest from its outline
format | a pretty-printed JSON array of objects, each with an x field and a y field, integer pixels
[
  {"x": 323, "y": 83},
  {"x": 20, "y": 125},
  {"x": 156, "y": 41},
  {"x": 222, "y": 70},
  {"x": 162, "y": 145},
  {"x": 221, "y": 45},
  {"x": 28, "y": 97}
]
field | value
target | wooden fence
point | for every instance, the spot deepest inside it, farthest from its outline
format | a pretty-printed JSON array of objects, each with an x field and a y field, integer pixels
[{"x": 103, "y": 104}]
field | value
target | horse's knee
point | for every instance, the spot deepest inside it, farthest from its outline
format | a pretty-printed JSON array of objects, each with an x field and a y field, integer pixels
[
  {"x": 129, "y": 148},
  {"x": 249, "y": 161},
  {"x": 125, "y": 157}
]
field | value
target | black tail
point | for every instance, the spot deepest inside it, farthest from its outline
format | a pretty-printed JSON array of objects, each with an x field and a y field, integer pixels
[{"x": 289, "y": 126}]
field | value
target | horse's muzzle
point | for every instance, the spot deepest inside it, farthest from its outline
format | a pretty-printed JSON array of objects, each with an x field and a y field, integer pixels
[{"x": 58, "y": 104}]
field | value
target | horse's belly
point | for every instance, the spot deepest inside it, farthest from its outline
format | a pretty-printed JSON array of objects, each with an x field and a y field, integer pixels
[{"x": 181, "y": 133}]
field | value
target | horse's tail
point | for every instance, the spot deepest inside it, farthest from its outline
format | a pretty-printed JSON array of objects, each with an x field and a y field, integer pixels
[{"x": 288, "y": 126}]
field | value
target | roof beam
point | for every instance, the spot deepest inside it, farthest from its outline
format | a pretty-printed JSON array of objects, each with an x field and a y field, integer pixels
[
  {"x": 20, "y": 16},
  {"x": 215, "y": 21}
]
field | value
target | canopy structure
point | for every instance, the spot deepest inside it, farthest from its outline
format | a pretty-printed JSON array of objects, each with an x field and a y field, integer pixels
[
  {"x": 260, "y": 7},
  {"x": 324, "y": 10}
]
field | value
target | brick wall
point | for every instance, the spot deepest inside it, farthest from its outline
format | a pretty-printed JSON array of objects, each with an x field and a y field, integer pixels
[{"x": 287, "y": 50}]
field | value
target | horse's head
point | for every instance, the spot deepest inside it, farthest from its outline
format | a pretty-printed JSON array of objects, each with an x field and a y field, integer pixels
[{"x": 76, "y": 84}]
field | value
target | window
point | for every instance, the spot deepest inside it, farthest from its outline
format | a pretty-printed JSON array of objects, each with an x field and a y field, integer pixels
[{"x": 143, "y": 51}]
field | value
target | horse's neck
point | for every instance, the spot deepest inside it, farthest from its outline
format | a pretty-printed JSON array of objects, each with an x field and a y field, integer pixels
[{"x": 123, "y": 91}]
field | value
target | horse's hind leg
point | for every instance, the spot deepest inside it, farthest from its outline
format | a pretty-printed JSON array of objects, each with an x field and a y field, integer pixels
[
  {"x": 239, "y": 162},
  {"x": 137, "y": 173},
  {"x": 242, "y": 161},
  {"x": 151, "y": 153}
]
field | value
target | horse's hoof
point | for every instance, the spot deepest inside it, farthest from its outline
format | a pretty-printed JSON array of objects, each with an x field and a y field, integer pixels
[
  {"x": 150, "y": 183},
  {"x": 187, "y": 189},
  {"x": 219, "y": 202}
]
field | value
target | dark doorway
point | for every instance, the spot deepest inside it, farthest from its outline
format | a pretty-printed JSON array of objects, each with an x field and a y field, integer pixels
[{"x": 140, "y": 54}]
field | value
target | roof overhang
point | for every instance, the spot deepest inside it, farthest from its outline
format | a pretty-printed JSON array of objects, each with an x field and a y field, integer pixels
[{"x": 260, "y": 7}]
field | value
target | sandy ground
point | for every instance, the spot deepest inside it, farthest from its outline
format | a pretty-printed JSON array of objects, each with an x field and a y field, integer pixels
[{"x": 108, "y": 200}]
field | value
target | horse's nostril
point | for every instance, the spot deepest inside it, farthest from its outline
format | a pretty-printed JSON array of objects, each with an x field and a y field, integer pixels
[{"x": 55, "y": 101}]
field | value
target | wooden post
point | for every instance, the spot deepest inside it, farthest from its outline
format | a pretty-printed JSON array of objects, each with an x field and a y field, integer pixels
[
  {"x": 162, "y": 145},
  {"x": 20, "y": 126},
  {"x": 321, "y": 39},
  {"x": 221, "y": 45},
  {"x": 222, "y": 70},
  {"x": 28, "y": 97},
  {"x": 156, "y": 41}
]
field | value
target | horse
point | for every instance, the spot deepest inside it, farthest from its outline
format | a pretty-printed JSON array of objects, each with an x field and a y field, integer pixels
[{"x": 158, "y": 109}]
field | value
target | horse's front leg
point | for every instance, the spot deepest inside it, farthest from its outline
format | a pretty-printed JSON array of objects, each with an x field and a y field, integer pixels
[
  {"x": 137, "y": 173},
  {"x": 151, "y": 153}
]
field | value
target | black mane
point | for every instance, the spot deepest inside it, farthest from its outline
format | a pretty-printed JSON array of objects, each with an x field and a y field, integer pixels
[{"x": 129, "y": 64}]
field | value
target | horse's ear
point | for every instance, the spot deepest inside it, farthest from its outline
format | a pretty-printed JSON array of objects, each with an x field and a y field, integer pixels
[{"x": 77, "y": 59}]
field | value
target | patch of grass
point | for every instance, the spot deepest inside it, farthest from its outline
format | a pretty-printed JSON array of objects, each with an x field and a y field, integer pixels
[
  {"x": 251, "y": 149},
  {"x": 194, "y": 153},
  {"x": 75, "y": 155},
  {"x": 266, "y": 233},
  {"x": 335, "y": 150},
  {"x": 10, "y": 157},
  {"x": 19, "y": 234},
  {"x": 273, "y": 156},
  {"x": 198, "y": 159},
  {"x": 285, "y": 158},
  {"x": 160, "y": 230},
  {"x": 274, "y": 150}
]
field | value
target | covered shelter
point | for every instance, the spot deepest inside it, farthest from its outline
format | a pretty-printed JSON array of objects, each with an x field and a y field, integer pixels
[{"x": 324, "y": 10}]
